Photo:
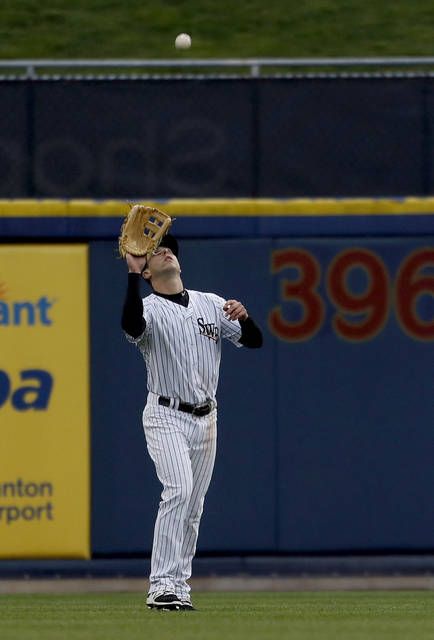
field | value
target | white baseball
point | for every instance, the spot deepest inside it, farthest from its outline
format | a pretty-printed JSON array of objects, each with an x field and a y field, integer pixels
[{"x": 183, "y": 41}]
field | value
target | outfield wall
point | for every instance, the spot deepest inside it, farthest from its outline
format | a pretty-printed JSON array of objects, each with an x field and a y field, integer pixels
[
  {"x": 325, "y": 435},
  {"x": 198, "y": 137}
]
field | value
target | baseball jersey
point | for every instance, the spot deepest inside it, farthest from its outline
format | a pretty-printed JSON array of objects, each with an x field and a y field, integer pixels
[{"x": 181, "y": 345}]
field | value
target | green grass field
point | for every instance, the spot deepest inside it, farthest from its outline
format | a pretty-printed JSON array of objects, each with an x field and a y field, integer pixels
[
  {"x": 137, "y": 29},
  {"x": 222, "y": 616}
]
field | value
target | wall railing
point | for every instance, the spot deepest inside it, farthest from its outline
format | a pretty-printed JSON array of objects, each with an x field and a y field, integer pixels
[{"x": 253, "y": 67}]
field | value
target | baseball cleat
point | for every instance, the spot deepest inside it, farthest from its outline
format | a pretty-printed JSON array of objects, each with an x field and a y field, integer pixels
[
  {"x": 163, "y": 601},
  {"x": 187, "y": 606}
]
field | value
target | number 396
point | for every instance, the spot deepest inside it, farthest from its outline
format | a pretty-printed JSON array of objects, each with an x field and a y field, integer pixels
[{"x": 357, "y": 316}]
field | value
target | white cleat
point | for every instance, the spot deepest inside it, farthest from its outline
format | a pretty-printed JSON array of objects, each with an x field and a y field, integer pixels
[
  {"x": 186, "y": 605},
  {"x": 163, "y": 601}
]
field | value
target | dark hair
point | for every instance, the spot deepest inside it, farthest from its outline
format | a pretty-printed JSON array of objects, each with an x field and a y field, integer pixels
[{"x": 171, "y": 243}]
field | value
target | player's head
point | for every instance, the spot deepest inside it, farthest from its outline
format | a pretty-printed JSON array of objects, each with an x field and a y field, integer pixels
[{"x": 163, "y": 261}]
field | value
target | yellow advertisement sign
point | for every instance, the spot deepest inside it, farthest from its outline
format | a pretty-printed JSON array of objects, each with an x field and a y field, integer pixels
[{"x": 44, "y": 402}]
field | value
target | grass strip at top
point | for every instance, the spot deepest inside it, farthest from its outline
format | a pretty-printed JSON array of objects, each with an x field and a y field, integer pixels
[{"x": 252, "y": 28}]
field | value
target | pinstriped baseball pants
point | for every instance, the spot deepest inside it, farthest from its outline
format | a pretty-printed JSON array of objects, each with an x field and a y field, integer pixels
[{"x": 183, "y": 449}]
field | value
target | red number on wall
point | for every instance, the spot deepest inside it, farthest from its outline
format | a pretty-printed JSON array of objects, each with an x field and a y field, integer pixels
[
  {"x": 358, "y": 316},
  {"x": 302, "y": 290},
  {"x": 411, "y": 284}
]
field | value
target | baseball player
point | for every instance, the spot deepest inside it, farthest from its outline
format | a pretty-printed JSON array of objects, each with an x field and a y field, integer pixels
[{"x": 179, "y": 334}]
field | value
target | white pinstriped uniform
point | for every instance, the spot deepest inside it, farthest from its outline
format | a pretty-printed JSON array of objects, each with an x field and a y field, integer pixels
[{"x": 181, "y": 347}]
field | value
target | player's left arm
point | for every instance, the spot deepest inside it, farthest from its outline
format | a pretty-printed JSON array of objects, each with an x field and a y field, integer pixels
[{"x": 251, "y": 335}]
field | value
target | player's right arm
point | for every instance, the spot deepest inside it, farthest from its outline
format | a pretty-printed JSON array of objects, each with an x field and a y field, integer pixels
[{"x": 133, "y": 322}]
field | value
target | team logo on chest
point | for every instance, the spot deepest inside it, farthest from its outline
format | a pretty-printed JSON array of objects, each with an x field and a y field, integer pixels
[{"x": 208, "y": 329}]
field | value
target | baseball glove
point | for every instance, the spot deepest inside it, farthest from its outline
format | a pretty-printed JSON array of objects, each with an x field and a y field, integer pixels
[{"x": 142, "y": 230}]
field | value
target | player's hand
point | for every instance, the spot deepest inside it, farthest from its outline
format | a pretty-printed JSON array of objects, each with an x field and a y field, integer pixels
[
  {"x": 235, "y": 310},
  {"x": 135, "y": 263}
]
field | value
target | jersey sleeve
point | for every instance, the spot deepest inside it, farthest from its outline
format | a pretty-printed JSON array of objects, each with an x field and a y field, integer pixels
[
  {"x": 142, "y": 340},
  {"x": 230, "y": 329}
]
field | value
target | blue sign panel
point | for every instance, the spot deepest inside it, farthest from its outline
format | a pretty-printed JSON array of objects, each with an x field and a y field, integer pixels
[{"x": 353, "y": 323}]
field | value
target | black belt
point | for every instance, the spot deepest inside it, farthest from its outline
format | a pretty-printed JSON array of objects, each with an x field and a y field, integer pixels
[{"x": 196, "y": 409}]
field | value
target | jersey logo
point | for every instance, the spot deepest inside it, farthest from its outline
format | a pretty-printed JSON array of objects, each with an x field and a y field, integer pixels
[{"x": 208, "y": 329}]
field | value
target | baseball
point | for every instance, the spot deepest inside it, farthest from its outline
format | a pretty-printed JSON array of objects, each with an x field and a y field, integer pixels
[{"x": 183, "y": 41}]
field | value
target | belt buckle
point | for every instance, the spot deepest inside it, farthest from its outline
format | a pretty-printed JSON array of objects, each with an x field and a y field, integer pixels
[{"x": 202, "y": 409}]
